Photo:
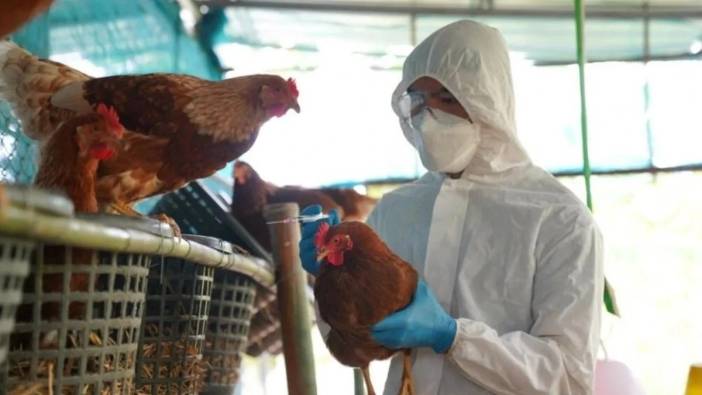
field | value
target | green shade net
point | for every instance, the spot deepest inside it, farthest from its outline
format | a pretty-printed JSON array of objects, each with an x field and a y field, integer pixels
[
  {"x": 101, "y": 37},
  {"x": 543, "y": 40},
  {"x": 17, "y": 152}
]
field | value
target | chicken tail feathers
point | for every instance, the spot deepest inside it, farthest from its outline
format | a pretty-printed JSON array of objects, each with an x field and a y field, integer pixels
[
  {"x": 11, "y": 58},
  {"x": 28, "y": 83},
  {"x": 13, "y": 64}
]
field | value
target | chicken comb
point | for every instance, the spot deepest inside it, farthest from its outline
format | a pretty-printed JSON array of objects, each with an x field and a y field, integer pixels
[
  {"x": 292, "y": 86},
  {"x": 110, "y": 115},
  {"x": 321, "y": 235}
]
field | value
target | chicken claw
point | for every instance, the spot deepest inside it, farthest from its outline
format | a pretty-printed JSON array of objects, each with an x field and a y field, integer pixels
[
  {"x": 170, "y": 222},
  {"x": 125, "y": 209}
]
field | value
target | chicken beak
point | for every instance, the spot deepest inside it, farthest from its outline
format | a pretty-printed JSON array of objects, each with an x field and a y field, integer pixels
[
  {"x": 323, "y": 252},
  {"x": 295, "y": 106}
]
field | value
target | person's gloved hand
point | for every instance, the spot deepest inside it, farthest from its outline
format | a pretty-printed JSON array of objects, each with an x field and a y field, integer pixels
[
  {"x": 423, "y": 323},
  {"x": 308, "y": 251}
]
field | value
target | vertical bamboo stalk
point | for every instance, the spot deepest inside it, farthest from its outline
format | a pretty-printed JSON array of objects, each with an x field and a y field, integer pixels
[
  {"x": 580, "y": 45},
  {"x": 292, "y": 299},
  {"x": 579, "y": 10}
]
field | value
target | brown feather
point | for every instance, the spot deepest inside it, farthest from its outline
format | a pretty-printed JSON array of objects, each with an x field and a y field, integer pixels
[
  {"x": 28, "y": 83},
  {"x": 150, "y": 104},
  {"x": 356, "y": 206},
  {"x": 168, "y": 104},
  {"x": 63, "y": 168},
  {"x": 131, "y": 174}
]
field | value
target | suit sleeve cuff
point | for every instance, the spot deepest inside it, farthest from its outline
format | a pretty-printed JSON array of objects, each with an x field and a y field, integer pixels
[{"x": 464, "y": 329}]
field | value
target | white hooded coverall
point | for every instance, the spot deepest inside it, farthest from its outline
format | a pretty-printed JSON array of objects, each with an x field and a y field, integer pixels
[{"x": 507, "y": 250}]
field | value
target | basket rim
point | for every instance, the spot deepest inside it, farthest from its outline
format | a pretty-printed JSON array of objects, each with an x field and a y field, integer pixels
[
  {"x": 144, "y": 224},
  {"x": 76, "y": 232},
  {"x": 36, "y": 199},
  {"x": 212, "y": 242}
]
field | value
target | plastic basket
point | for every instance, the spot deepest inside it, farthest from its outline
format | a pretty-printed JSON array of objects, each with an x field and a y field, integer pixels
[
  {"x": 197, "y": 210},
  {"x": 173, "y": 330},
  {"x": 233, "y": 296},
  {"x": 77, "y": 328},
  {"x": 14, "y": 267},
  {"x": 78, "y": 324}
]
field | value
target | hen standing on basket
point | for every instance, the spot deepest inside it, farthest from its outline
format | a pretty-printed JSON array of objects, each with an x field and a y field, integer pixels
[
  {"x": 178, "y": 128},
  {"x": 69, "y": 159}
]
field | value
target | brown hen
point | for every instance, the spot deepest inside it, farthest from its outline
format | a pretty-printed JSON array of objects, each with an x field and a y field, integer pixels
[
  {"x": 356, "y": 206},
  {"x": 361, "y": 281},
  {"x": 178, "y": 128},
  {"x": 251, "y": 194},
  {"x": 68, "y": 162},
  {"x": 69, "y": 159}
]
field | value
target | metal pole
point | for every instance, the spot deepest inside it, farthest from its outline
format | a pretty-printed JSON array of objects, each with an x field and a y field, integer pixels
[
  {"x": 395, "y": 7},
  {"x": 292, "y": 299},
  {"x": 413, "y": 29}
]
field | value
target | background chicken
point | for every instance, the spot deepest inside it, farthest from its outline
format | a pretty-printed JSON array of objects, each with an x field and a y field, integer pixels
[
  {"x": 360, "y": 282},
  {"x": 356, "y": 206},
  {"x": 178, "y": 128},
  {"x": 251, "y": 194}
]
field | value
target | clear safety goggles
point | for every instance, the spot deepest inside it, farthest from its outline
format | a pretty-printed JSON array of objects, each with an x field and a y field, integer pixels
[{"x": 413, "y": 103}]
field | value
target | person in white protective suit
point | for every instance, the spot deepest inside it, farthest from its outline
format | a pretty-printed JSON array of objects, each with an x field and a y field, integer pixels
[{"x": 511, "y": 261}]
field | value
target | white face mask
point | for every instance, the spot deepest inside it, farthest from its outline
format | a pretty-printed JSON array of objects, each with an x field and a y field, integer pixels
[{"x": 446, "y": 143}]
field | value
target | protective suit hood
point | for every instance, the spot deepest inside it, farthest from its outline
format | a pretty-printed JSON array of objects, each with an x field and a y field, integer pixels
[{"x": 471, "y": 61}]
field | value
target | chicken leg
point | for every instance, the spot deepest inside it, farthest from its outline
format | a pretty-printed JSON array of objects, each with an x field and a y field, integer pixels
[
  {"x": 407, "y": 385},
  {"x": 367, "y": 380},
  {"x": 125, "y": 209}
]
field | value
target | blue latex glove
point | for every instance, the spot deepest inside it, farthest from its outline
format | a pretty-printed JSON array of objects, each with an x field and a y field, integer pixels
[
  {"x": 423, "y": 323},
  {"x": 308, "y": 251}
]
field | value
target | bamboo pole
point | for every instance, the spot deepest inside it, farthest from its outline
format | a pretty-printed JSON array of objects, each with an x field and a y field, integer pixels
[
  {"x": 359, "y": 387},
  {"x": 609, "y": 299},
  {"x": 27, "y": 223},
  {"x": 292, "y": 299},
  {"x": 580, "y": 44}
]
